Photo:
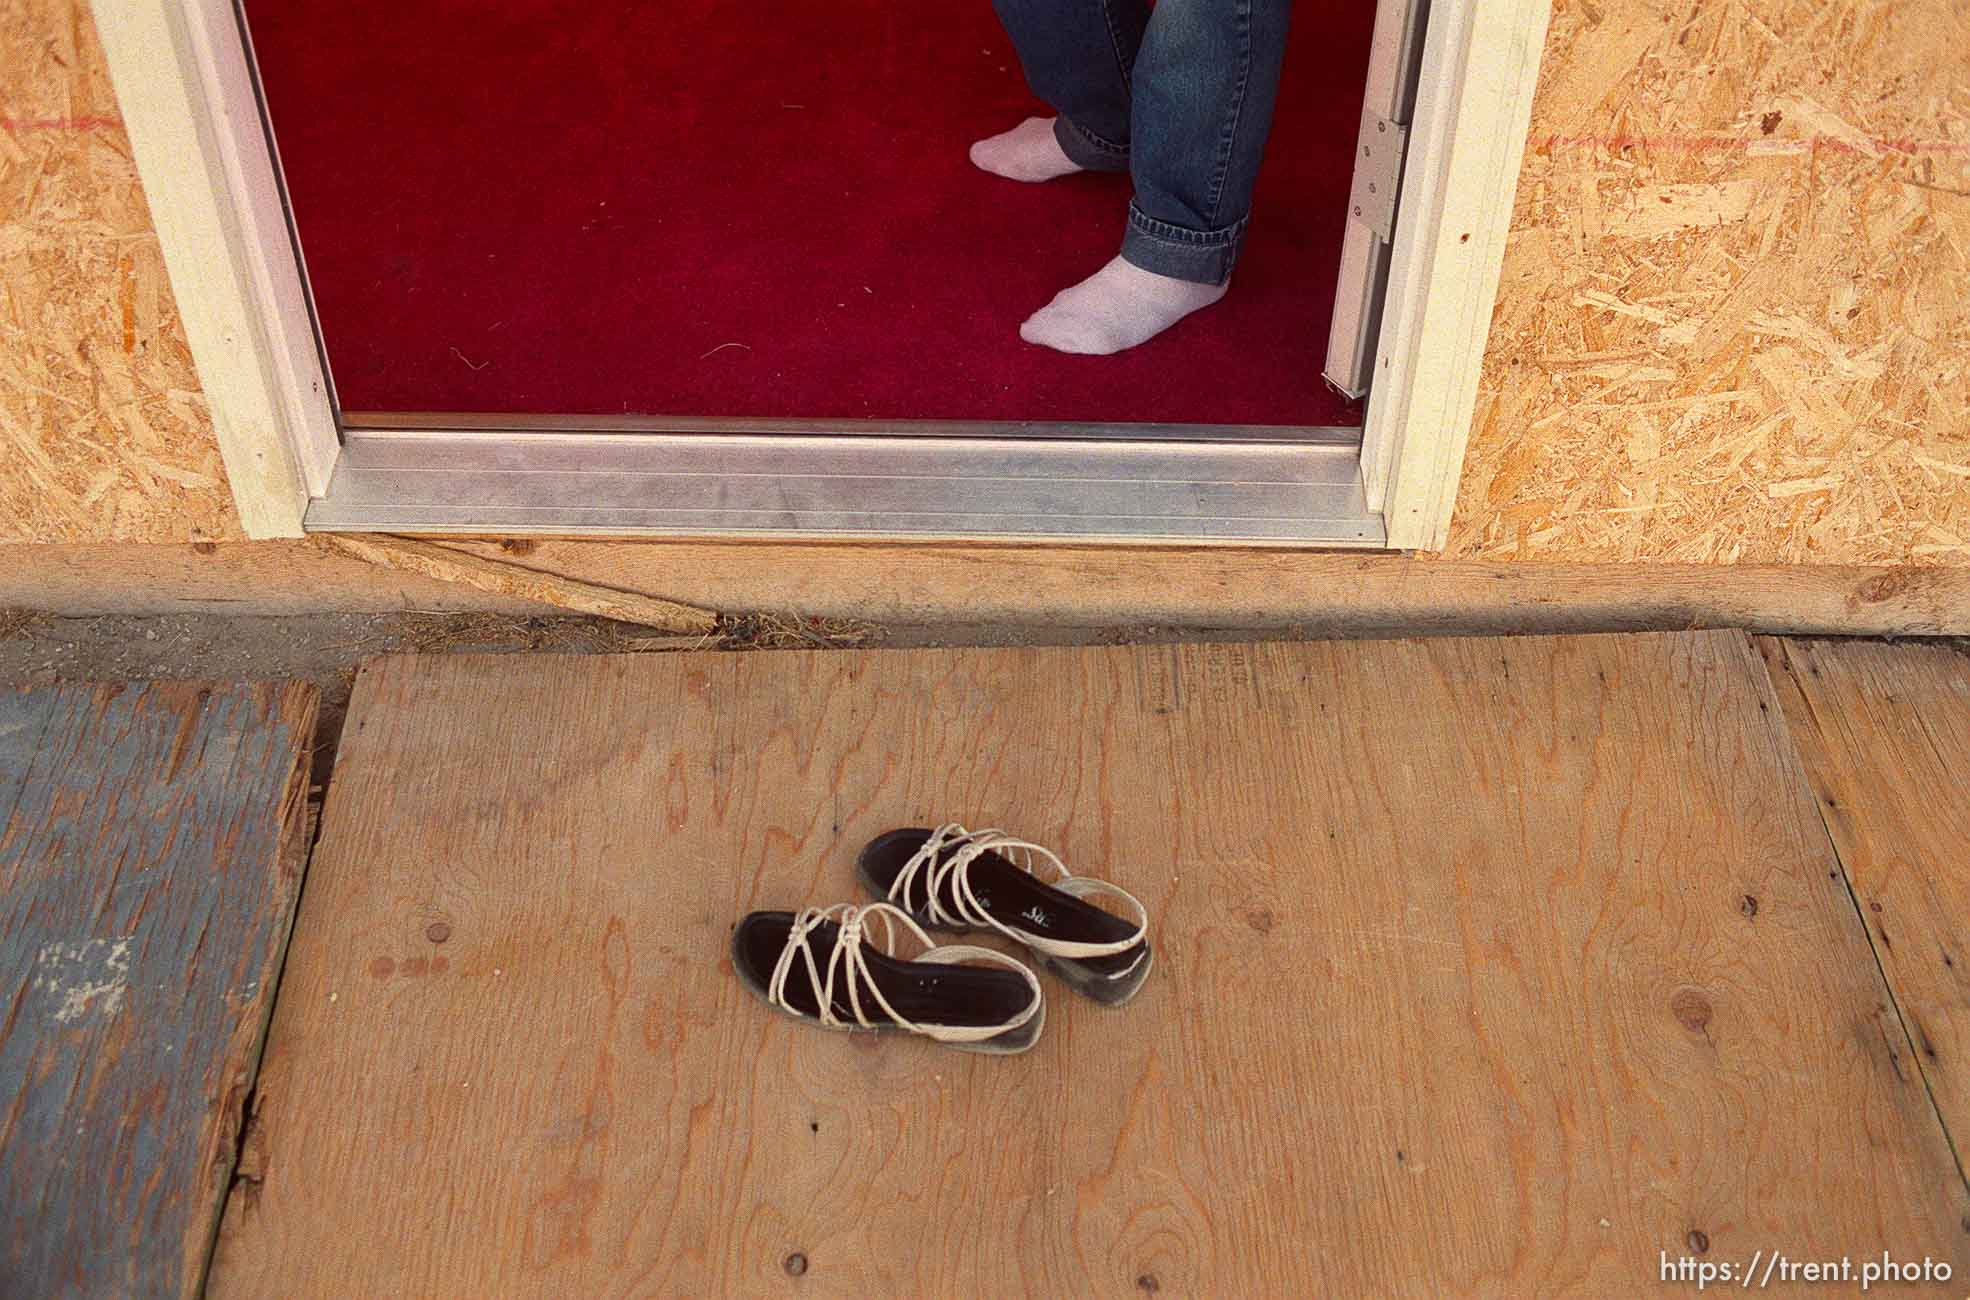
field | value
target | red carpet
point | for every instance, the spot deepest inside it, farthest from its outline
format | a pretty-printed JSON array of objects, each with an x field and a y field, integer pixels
[{"x": 698, "y": 208}]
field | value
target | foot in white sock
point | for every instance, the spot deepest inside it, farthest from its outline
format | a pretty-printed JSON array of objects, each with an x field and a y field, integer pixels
[
  {"x": 1116, "y": 308},
  {"x": 1028, "y": 152}
]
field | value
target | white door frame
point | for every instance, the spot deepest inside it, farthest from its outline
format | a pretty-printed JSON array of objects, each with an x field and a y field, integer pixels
[
  {"x": 184, "y": 80},
  {"x": 1473, "y": 108}
]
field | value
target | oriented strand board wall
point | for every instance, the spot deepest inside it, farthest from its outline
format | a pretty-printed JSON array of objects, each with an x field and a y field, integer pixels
[
  {"x": 1735, "y": 320},
  {"x": 104, "y": 435}
]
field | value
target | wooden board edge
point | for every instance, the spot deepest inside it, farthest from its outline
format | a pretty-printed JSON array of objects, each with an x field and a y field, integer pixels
[
  {"x": 1798, "y": 720},
  {"x": 501, "y": 577},
  {"x": 1133, "y": 589},
  {"x": 298, "y": 704},
  {"x": 1473, "y": 109}
]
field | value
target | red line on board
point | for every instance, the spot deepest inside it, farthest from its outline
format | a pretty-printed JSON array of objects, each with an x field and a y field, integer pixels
[
  {"x": 60, "y": 123},
  {"x": 1697, "y": 143}
]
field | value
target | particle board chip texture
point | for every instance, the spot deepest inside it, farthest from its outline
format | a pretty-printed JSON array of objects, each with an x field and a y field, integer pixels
[{"x": 1762, "y": 209}]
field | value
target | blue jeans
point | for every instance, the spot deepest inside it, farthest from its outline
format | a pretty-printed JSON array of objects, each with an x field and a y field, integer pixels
[{"x": 1179, "y": 96}]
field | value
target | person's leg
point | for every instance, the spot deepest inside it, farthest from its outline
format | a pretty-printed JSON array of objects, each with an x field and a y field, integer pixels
[
  {"x": 1078, "y": 56},
  {"x": 1206, "y": 83},
  {"x": 1204, "y": 86}
]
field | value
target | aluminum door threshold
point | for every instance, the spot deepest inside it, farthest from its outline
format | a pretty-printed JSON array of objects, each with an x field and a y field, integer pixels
[{"x": 846, "y": 486}]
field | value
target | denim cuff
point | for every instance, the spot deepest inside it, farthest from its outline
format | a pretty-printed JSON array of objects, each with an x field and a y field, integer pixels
[
  {"x": 1087, "y": 150},
  {"x": 1200, "y": 256}
]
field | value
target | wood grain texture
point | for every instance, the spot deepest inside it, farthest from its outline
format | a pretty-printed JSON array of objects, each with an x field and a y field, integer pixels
[
  {"x": 151, "y": 848},
  {"x": 1075, "y": 587},
  {"x": 1884, "y": 731},
  {"x": 502, "y": 577},
  {"x": 1321, "y": 594},
  {"x": 1459, "y": 991}
]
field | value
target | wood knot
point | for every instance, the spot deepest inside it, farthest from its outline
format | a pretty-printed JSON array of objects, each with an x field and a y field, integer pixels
[
  {"x": 205, "y": 548},
  {"x": 519, "y": 545},
  {"x": 1690, "y": 1007},
  {"x": 1885, "y": 586},
  {"x": 1698, "y": 1241},
  {"x": 1260, "y": 919},
  {"x": 1147, "y": 1284},
  {"x": 437, "y": 932},
  {"x": 794, "y": 1264},
  {"x": 1749, "y": 906}
]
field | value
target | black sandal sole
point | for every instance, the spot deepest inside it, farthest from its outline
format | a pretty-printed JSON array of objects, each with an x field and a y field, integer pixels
[{"x": 1109, "y": 980}]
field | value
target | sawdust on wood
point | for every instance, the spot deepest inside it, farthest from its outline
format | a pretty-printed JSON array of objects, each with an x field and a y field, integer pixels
[
  {"x": 438, "y": 633},
  {"x": 792, "y": 632},
  {"x": 17, "y": 622}
]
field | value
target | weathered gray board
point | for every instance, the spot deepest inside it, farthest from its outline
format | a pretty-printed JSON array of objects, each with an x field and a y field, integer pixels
[{"x": 152, "y": 837}]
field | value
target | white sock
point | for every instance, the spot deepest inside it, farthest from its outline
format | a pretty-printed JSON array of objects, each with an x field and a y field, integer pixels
[
  {"x": 1028, "y": 152},
  {"x": 1116, "y": 308}
]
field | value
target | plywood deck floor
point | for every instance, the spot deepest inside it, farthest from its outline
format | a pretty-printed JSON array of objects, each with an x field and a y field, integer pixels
[{"x": 1500, "y": 967}]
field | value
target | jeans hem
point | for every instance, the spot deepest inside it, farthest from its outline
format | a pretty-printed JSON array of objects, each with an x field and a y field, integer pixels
[
  {"x": 1087, "y": 150},
  {"x": 1199, "y": 256}
]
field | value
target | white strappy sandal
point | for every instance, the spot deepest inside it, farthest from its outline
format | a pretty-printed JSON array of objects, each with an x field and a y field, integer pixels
[
  {"x": 955, "y": 879},
  {"x": 821, "y": 966}
]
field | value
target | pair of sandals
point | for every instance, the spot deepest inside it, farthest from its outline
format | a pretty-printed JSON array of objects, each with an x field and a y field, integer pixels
[{"x": 823, "y": 965}]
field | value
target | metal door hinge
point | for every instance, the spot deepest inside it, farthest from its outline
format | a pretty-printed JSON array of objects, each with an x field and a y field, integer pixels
[{"x": 1377, "y": 173}]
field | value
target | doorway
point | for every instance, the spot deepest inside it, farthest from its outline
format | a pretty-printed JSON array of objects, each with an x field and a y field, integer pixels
[{"x": 771, "y": 432}]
